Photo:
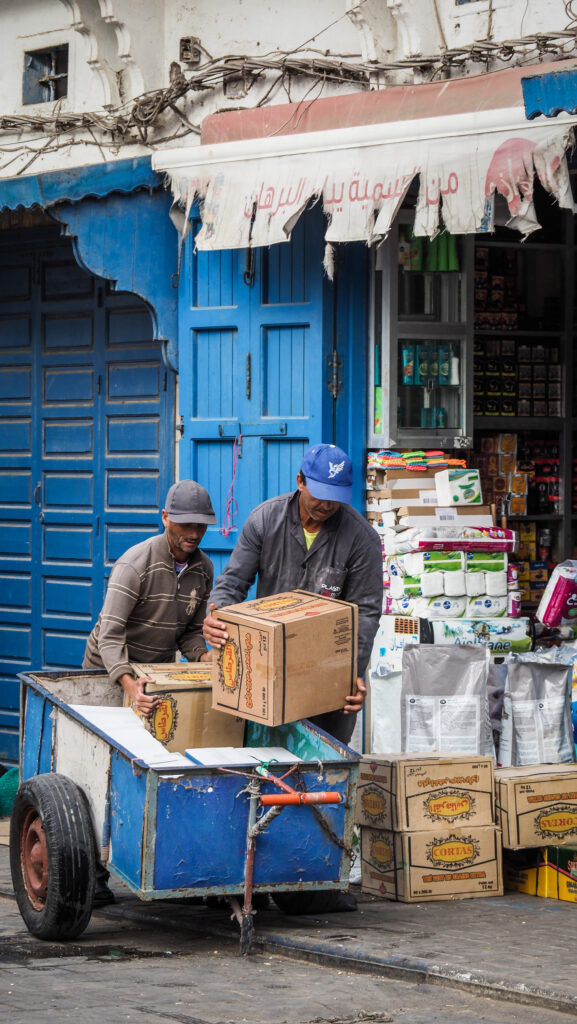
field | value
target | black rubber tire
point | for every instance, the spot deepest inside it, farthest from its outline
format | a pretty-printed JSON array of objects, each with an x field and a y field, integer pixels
[
  {"x": 319, "y": 901},
  {"x": 52, "y": 857}
]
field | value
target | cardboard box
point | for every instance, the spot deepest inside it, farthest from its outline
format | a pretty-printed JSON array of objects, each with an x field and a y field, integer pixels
[
  {"x": 442, "y": 864},
  {"x": 536, "y": 805},
  {"x": 185, "y": 717},
  {"x": 458, "y": 487},
  {"x": 287, "y": 657},
  {"x": 413, "y": 482},
  {"x": 416, "y": 791},
  {"x": 549, "y": 872},
  {"x": 473, "y": 515},
  {"x": 398, "y": 473}
]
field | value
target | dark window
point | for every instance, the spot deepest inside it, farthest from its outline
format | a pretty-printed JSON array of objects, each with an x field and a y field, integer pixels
[{"x": 45, "y": 77}]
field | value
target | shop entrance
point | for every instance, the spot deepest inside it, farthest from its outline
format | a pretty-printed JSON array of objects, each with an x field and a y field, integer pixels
[
  {"x": 255, "y": 341},
  {"x": 86, "y": 451}
]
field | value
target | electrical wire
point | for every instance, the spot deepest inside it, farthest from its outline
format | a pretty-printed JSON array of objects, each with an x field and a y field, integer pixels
[{"x": 149, "y": 119}]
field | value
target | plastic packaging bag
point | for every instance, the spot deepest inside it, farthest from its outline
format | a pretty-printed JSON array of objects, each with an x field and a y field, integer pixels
[
  {"x": 536, "y": 726},
  {"x": 558, "y": 606},
  {"x": 444, "y": 700}
]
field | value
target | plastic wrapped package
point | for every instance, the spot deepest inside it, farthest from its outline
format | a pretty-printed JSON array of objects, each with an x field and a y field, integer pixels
[
  {"x": 536, "y": 725},
  {"x": 501, "y": 636},
  {"x": 558, "y": 606},
  {"x": 445, "y": 700}
]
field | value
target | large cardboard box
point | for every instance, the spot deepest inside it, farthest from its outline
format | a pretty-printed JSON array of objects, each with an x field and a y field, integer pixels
[
  {"x": 416, "y": 791},
  {"x": 536, "y": 805},
  {"x": 287, "y": 657},
  {"x": 549, "y": 871},
  {"x": 442, "y": 864},
  {"x": 185, "y": 717},
  {"x": 423, "y": 515}
]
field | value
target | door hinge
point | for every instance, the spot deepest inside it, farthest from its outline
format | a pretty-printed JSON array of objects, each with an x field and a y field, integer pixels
[
  {"x": 334, "y": 382},
  {"x": 180, "y": 426}
]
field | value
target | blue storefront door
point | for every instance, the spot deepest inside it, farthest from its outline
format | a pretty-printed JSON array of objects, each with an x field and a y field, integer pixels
[
  {"x": 86, "y": 453},
  {"x": 254, "y": 340}
]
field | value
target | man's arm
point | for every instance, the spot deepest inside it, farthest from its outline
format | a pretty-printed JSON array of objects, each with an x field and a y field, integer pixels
[
  {"x": 121, "y": 597},
  {"x": 191, "y": 642}
]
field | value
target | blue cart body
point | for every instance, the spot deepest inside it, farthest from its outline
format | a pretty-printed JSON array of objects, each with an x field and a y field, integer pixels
[{"x": 183, "y": 832}]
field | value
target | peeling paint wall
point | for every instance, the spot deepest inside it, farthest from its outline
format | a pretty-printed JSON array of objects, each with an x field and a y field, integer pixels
[{"x": 120, "y": 52}]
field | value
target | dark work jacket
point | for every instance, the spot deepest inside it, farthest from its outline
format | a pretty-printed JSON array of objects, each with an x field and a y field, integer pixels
[{"x": 344, "y": 561}]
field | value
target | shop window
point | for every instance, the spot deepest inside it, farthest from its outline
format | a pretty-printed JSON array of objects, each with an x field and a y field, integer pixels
[{"x": 45, "y": 76}]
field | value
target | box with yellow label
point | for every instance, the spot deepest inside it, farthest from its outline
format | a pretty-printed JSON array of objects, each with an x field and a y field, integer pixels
[
  {"x": 287, "y": 657},
  {"x": 416, "y": 791},
  {"x": 185, "y": 717},
  {"x": 440, "y": 864},
  {"x": 536, "y": 805}
]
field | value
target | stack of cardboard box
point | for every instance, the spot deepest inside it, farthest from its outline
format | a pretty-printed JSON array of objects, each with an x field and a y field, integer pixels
[
  {"x": 536, "y": 806},
  {"x": 409, "y": 498},
  {"x": 427, "y": 827}
]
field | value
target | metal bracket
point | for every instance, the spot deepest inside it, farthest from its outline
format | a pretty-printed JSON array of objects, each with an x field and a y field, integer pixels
[{"x": 334, "y": 382}]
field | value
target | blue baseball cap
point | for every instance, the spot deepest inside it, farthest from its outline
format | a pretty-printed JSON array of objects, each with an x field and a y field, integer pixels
[{"x": 329, "y": 473}]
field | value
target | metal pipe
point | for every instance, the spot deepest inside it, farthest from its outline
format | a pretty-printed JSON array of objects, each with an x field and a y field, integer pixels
[{"x": 295, "y": 798}]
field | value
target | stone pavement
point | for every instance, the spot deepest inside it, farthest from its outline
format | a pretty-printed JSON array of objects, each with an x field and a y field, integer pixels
[{"x": 518, "y": 949}]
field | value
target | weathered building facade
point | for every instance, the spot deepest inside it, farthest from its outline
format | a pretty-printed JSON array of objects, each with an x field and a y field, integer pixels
[{"x": 132, "y": 354}]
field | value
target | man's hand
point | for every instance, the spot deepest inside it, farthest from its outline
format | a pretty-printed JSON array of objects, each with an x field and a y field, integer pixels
[
  {"x": 356, "y": 701},
  {"x": 142, "y": 702},
  {"x": 213, "y": 630}
]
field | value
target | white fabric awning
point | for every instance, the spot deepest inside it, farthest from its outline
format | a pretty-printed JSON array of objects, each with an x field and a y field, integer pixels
[{"x": 253, "y": 191}]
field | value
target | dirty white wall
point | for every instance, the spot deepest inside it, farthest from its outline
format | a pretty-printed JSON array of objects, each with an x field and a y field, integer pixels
[{"x": 121, "y": 50}]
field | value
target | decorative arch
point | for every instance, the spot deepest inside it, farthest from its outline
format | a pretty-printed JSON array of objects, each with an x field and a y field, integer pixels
[{"x": 130, "y": 240}]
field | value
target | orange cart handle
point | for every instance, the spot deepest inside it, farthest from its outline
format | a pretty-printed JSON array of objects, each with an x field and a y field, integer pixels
[{"x": 282, "y": 799}]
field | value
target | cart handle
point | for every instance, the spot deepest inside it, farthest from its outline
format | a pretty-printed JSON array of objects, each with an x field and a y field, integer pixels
[{"x": 284, "y": 799}]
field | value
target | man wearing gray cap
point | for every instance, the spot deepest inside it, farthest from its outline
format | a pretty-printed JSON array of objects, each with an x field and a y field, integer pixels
[{"x": 156, "y": 598}]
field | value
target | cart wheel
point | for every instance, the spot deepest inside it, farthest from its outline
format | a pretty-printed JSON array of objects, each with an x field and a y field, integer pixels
[{"x": 52, "y": 857}]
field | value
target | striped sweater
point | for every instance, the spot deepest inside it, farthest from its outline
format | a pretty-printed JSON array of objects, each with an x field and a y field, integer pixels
[{"x": 149, "y": 612}]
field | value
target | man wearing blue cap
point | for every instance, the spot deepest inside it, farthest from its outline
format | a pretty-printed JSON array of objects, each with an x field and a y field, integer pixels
[{"x": 311, "y": 539}]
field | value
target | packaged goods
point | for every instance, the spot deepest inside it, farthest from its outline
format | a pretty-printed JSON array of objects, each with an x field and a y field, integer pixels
[
  {"x": 458, "y": 487},
  {"x": 445, "y": 538},
  {"x": 536, "y": 725},
  {"x": 486, "y": 561},
  {"x": 445, "y": 702},
  {"x": 475, "y": 584},
  {"x": 408, "y": 585},
  {"x": 547, "y": 871},
  {"x": 413, "y": 791},
  {"x": 442, "y": 864},
  {"x": 536, "y": 805},
  {"x": 454, "y": 584},
  {"x": 496, "y": 584},
  {"x": 500, "y": 635},
  {"x": 288, "y": 657},
  {"x": 485, "y": 607},
  {"x": 419, "y": 562},
  {"x": 393, "y": 634},
  {"x": 558, "y": 604},
  {"x": 185, "y": 717},
  {"x": 432, "y": 584},
  {"x": 423, "y": 515},
  {"x": 439, "y": 607},
  {"x": 385, "y": 709}
]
